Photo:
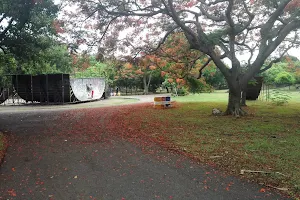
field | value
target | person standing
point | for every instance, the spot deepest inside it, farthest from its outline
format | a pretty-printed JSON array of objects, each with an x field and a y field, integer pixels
[
  {"x": 90, "y": 91},
  {"x": 92, "y": 94}
]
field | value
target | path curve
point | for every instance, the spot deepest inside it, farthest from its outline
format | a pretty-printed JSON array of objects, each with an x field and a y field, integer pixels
[
  {"x": 112, "y": 101},
  {"x": 49, "y": 158}
]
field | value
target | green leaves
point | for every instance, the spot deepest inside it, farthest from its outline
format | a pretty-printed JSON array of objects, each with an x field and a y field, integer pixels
[
  {"x": 279, "y": 98},
  {"x": 55, "y": 59},
  {"x": 215, "y": 36},
  {"x": 29, "y": 28},
  {"x": 283, "y": 73},
  {"x": 285, "y": 78}
]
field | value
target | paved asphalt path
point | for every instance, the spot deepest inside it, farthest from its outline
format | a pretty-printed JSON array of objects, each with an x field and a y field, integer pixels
[{"x": 49, "y": 166}]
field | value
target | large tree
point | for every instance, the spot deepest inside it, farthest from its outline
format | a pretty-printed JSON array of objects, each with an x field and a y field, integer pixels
[
  {"x": 26, "y": 27},
  {"x": 261, "y": 29}
]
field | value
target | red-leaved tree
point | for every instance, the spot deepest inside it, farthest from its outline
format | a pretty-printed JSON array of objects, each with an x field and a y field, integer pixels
[{"x": 257, "y": 29}]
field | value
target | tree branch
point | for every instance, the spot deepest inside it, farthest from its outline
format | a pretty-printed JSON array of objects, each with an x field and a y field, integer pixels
[
  {"x": 251, "y": 17},
  {"x": 282, "y": 35},
  {"x": 221, "y": 65},
  {"x": 203, "y": 66},
  {"x": 131, "y": 13},
  {"x": 3, "y": 49},
  {"x": 212, "y": 2},
  {"x": 3, "y": 17},
  {"x": 6, "y": 29},
  {"x": 270, "y": 65},
  {"x": 280, "y": 58},
  {"x": 209, "y": 16},
  {"x": 175, "y": 17},
  {"x": 266, "y": 51},
  {"x": 228, "y": 15},
  {"x": 270, "y": 23},
  {"x": 164, "y": 38}
]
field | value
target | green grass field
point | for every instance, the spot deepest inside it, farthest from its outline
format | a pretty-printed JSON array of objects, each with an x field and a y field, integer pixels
[
  {"x": 267, "y": 139},
  {"x": 222, "y": 96}
]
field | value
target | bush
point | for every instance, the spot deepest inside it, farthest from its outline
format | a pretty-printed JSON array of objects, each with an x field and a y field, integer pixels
[
  {"x": 285, "y": 78},
  {"x": 198, "y": 85},
  {"x": 279, "y": 98},
  {"x": 181, "y": 91}
]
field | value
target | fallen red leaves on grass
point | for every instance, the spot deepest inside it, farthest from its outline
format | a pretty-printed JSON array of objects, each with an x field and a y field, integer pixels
[
  {"x": 12, "y": 193},
  {"x": 262, "y": 190},
  {"x": 139, "y": 124}
]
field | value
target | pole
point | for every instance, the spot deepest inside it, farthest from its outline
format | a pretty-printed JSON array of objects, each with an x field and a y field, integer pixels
[
  {"x": 12, "y": 88},
  {"x": 4, "y": 95},
  {"x": 63, "y": 88},
  {"x": 17, "y": 83},
  {"x": 31, "y": 89},
  {"x": 47, "y": 88}
]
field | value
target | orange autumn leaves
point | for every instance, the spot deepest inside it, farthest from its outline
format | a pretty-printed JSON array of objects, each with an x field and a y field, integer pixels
[
  {"x": 138, "y": 67},
  {"x": 174, "y": 60}
]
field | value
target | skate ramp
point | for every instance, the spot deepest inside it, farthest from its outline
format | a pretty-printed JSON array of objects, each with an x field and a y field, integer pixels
[
  {"x": 57, "y": 88},
  {"x": 3, "y": 95},
  {"x": 43, "y": 88},
  {"x": 253, "y": 90},
  {"x": 82, "y": 88}
]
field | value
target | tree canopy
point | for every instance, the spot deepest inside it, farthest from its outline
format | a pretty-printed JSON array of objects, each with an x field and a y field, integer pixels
[
  {"x": 26, "y": 27},
  {"x": 260, "y": 29},
  {"x": 285, "y": 72}
]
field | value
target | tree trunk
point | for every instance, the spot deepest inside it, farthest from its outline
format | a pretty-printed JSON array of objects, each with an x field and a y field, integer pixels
[
  {"x": 234, "y": 103},
  {"x": 146, "y": 90},
  {"x": 147, "y": 82},
  {"x": 243, "y": 100}
]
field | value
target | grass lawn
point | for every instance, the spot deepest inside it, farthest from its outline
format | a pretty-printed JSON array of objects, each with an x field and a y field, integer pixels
[
  {"x": 222, "y": 96},
  {"x": 268, "y": 139},
  {"x": 217, "y": 96}
]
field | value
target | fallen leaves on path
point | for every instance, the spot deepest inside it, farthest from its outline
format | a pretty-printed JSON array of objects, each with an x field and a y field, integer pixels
[{"x": 3, "y": 146}]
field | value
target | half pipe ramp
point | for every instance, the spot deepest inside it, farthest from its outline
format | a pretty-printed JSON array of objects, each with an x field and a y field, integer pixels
[{"x": 58, "y": 88}]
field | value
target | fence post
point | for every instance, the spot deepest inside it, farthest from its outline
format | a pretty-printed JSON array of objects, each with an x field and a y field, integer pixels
[
  {"x": 63, "y": 88},
  {"x": 17, "y": 83},
  {"x": 47, "y": 88},
  {"x": 31, "y": 89}
]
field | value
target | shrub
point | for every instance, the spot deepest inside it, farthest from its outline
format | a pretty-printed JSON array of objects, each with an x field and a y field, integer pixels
[
  {"x": 181, "y": 91},
  {"x": 198, "y": 85},
  {"x": 279, "y": 98}
]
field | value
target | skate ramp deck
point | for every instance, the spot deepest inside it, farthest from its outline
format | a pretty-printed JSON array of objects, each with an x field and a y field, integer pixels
[{"x": 82, "y": 88}]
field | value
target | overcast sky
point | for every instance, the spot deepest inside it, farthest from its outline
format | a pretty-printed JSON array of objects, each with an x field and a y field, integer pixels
[{"x": 242, "y": 58}]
